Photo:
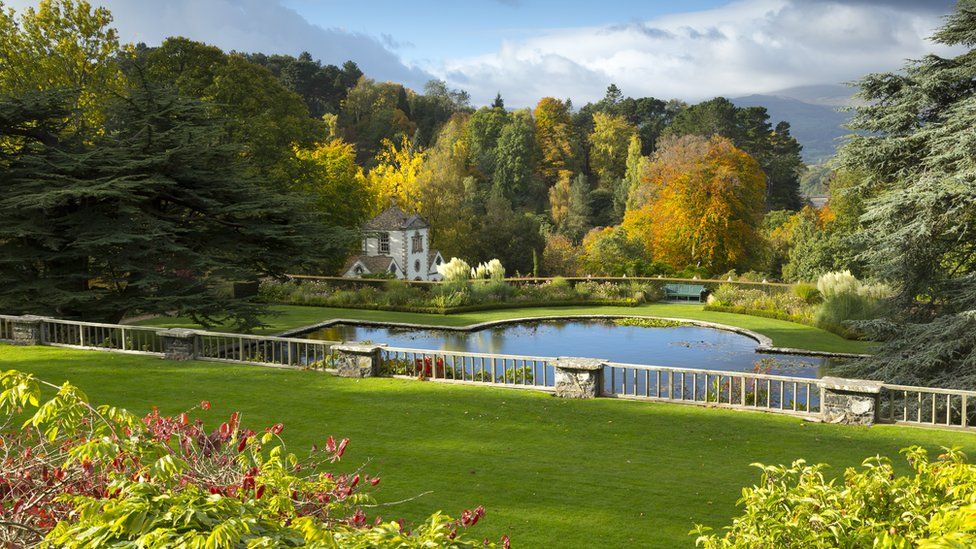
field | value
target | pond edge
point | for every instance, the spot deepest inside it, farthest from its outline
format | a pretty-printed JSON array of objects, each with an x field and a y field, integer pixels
[{"x": 765, "y": 344}]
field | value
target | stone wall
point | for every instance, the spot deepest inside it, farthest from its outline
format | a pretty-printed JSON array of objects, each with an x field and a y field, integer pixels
[
  {"x": 578, "y": 377},
  {"x": 849, "y": 401}
]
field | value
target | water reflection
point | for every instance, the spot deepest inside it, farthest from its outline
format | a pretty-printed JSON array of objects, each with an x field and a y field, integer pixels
[{"x": 682, "y": 346}]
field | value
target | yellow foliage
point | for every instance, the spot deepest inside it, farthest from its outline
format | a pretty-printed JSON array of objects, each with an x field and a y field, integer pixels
[
  {"x": 396, "y": 175},
  {"x": 707, "y": 197}
]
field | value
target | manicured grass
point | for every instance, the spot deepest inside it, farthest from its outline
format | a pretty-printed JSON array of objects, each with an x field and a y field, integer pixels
[
  {"x": 783, "y": 333},
  {"x": 551, "y": 472}
]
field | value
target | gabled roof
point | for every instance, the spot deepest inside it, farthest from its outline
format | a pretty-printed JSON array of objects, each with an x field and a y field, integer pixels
[
  {"x": 395, "y": 219},
  {"x": 373, "y": 263},
  {"x": 431, "y": 256}
]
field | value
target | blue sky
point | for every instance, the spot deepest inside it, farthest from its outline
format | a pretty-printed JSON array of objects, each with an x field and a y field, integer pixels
[
  {"x": 423, "y": 30},
  {"x": 528, "y": 49}
]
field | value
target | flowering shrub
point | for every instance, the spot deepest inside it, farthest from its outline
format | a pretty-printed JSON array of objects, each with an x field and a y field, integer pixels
[
  {"x": 399, "y": 295},
  {"x": 455, "y": 270},
  {"x": 846, "y": 298},
  {"x": 729, "y": 295},
  {"x": 75, "y": 475},
  {"x": 796, "y": 506},
  {"x": 836, "y": 283}
]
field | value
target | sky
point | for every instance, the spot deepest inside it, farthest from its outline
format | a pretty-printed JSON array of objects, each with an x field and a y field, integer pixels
[{"x": 528, "y": 49}]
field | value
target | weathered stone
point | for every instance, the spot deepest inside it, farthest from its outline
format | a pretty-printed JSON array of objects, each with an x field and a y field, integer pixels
[
  {"x": 849, "y": 401},
  {"x": 179, "y": 344},
  {"x": 578, "y": 377},
  {"x": 357, "y": 360},
  {"x": 27, "y": 330}
]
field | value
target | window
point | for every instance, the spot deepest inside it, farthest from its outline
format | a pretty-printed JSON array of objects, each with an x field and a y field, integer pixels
[
  {"x": 418, "y": 243},
  {"x": 359, "y": 269},
  {"x": 416, "y": 265},
  {"x": 384, "y": 244},
  {"x": 393, "y": 268}
]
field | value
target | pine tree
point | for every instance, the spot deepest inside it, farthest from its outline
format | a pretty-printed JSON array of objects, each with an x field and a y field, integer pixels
[
  {"x": 498, "y": 103},
  {"x": 918, "y": 156},
  {"x": 153, "y": 215}
]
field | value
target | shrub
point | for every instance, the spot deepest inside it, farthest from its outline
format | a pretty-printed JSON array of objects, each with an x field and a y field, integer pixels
[
  {"x": 797, "y": 507},
  {"x": 455, "y": 270},
  {"x": 79, "y": 476},
  {"x": 808, "y": 293},
  {"x": 847, "y": 306},
  {"x": 846, "y": 299},
  {"x": 838, "y": 282},
  {"x": 398, "y": 292}
]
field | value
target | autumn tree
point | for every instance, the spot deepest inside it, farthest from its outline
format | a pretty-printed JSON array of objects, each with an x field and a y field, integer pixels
[
  {"x": 610, "y": 251},
  {"x": 776, "y": 150},
  {"x": 608, "y": 147},
  {"x": 395, "y": 175},
  {"x": 707, "y": 196},
  {"x": 335, "y": 187},
  {"x": 447, "y": 195},
  {"x": 569, "y": 205},
  {"x": 560, "y": 257},
  {"x": 554, "y": 139}
]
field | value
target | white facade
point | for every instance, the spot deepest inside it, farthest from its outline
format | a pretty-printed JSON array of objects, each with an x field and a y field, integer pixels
[{"x": 405, "y": 239}]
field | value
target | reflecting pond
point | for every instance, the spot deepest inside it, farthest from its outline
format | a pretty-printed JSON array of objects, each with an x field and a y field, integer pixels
[{"x": 679, "y": 346}]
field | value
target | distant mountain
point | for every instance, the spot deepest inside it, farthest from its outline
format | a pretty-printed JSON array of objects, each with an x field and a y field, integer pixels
[{"x": 813, "y": 114}]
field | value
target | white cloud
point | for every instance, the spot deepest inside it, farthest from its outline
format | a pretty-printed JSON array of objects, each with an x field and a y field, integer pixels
[
  {"x": 750, "y": 46},
  {"x": 253, "y": 26}
]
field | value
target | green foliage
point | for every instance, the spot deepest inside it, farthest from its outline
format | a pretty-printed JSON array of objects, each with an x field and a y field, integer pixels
[
  {"x": 477, "y": 294},
  {"x": 808, "y": 293},
  {"x": 797, "y": 506},
  {"x": 777, "y": 152},
  {"x": 140, "y": 219},
  {"x": 917, "y": 156},
  {"x": 729, "y": 295},
  {"x": 80, "y": 476},
  {"x": 648, "y": 322}
]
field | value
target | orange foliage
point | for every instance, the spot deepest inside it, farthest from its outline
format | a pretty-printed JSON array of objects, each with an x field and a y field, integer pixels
[{"x": 700, "y": 203}]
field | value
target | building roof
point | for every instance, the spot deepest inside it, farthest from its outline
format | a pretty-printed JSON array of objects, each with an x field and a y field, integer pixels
[
  {"x": 431, "y": 256},
  {"x": 395, "y": 219},
  {"x": 373, "y": 263}
]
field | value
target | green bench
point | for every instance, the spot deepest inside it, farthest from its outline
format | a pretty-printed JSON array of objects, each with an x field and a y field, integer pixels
[{"x": 683, "y": 292}]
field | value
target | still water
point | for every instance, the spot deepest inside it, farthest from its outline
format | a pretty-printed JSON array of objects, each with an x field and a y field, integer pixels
[{"x": 680, "y": 346}]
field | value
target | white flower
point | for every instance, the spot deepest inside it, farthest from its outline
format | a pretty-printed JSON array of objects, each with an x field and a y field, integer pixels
[{"x": 455, "y": 270}]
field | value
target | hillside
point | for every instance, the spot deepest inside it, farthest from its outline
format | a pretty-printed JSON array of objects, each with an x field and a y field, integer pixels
[{"x": 816, "y": 123}]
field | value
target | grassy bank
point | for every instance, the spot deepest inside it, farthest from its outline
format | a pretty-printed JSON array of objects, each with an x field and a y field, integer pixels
[
  {"x": 551, "y": 472},
  {"x": 783, "y": 333}
]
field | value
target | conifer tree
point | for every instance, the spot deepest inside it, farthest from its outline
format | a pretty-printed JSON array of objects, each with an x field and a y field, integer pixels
[
  {"x": 917, "y": 153},
  {"x": 154, "y": 214}
]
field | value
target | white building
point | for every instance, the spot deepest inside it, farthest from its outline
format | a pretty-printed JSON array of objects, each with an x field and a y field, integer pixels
[{"x": 396, "y": 243}]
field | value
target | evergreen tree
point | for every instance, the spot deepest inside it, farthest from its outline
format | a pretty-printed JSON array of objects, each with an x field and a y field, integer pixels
[
  {"x": 917, "y": 153},
  {"x": 153, "y": 215},
  {"x": 498, "y": 103}
]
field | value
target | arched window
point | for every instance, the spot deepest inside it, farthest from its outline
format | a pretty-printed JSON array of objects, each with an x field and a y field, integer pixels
[
  {"x": 416, "y": 265},
  {"x": 417, "y": 243},
  {"x": 359, "y": 269}
]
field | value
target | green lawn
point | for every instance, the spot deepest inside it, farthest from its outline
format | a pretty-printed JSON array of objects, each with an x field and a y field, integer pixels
[
  {"x": 551, "y": 472},
  {"x": 783, "y": 333}
]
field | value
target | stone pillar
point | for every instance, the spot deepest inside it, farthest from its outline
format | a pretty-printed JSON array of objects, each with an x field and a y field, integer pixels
[
  {"x": 849, "y": 401},
  {"x": 179, "y": 344},
  {"x": 357, "y": 359},
  {"x": 27, "y": 330},
  {"x": 578, "y": 377}
]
